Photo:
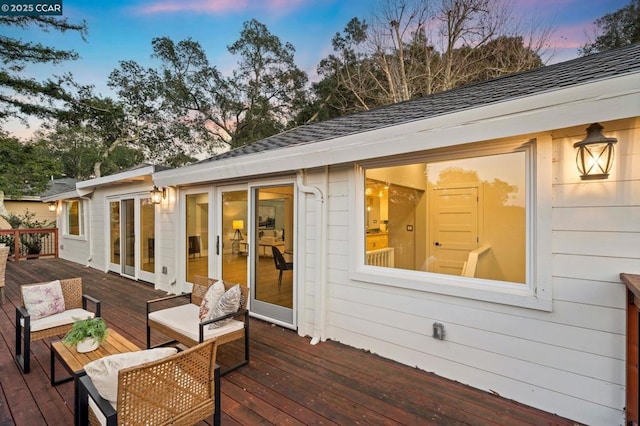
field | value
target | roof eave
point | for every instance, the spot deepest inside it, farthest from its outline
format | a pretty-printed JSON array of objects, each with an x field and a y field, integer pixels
[{"x": 600, "y": 100}]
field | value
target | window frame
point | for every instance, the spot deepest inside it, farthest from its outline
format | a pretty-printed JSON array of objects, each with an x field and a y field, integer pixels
[
  {"x": 81, "y": 224},
  {"x": 535, "y": 293}
]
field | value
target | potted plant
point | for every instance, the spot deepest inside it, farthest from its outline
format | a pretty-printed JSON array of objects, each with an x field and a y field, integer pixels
[{"x": 86, "y": 334}]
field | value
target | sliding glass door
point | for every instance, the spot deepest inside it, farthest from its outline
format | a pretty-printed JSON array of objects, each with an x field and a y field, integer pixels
[
  {"x": 131, "y": 236},
  {"x": 273, "y": 265}
]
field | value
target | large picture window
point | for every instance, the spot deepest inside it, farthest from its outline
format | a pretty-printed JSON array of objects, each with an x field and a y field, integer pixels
[
  {"x": 464, "y": 216},
  {"x": 74, "y": 222}
]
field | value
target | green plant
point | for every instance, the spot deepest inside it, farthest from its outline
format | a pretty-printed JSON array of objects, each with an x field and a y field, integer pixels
[{"x": 90, "y": 327}]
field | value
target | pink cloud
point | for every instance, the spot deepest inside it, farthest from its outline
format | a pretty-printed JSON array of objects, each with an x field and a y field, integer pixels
[
  {"x": 572, "y": 36},
  {"x": 204, "y": 6},
  {"x": 220, "y": 6}
]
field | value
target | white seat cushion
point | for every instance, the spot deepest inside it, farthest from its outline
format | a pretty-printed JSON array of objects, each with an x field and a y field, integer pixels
[
  {"x": 56, "y": 320},
  {"x": 184, "y": 320}
]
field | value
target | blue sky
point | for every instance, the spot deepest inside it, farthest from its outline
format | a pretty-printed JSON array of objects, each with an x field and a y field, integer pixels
[{"x": 123, "y": 29}]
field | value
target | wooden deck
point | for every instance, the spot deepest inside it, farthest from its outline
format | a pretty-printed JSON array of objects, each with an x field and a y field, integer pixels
[{"x": 288, "y": 380}]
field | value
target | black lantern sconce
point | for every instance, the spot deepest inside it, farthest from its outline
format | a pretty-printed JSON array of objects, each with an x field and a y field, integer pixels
[
  {"x": 595, "y": 154},
  {"x": 52, "y": 207},
  {"x": 157, "y": 195}
]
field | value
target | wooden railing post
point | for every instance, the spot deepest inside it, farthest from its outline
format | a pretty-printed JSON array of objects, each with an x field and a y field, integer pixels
[
  {"x": 34, "y": 242},
  {"x": 16, "y": 245}
]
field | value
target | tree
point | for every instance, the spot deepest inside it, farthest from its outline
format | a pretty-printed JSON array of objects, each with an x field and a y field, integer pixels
[
  {"x": 80, "y": 152},
  {"x": 413, "y": 49},
  {"x": 270, "y": 87},
  {"x": 21, "y": 96},
  {"x": 616, "y": 29},
  {"x": 197, "y": 106},
  {"x": 30, "y": 168}
]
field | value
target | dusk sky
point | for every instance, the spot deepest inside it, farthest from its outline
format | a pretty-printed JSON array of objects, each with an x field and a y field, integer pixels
[{"x": 123, "y": 29}]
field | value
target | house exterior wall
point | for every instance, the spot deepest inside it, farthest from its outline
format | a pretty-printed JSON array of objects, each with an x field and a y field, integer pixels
[
  {"x": 167, "y": 249},
  {"x": 92, "y": 249},
  {"x": 72, "y": 247},
  {"x": 571, "y": 360},
  {"x": 19, "y": 208}
]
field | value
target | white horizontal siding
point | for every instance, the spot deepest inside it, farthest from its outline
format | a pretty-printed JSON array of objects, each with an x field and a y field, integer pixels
[
  {"x": 569, "y": 361},
  {"x": 167, "y": 246}
]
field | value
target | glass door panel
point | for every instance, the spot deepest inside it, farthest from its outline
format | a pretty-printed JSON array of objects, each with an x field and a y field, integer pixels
[
  {"x": 147, "y": 235},
  {"x": 233, "y": 236},
  {"x": 273, "y": 290},
  {"x": 114, "y": 231},
  {"x": 197, "y": 235},
  {"x": 129, "y": 232}
]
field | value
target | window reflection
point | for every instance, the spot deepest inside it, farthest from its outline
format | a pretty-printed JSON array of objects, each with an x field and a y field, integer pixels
[{"x": 458, "y": 217}]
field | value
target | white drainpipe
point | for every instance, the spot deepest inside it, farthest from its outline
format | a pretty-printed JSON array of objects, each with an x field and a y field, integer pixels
[
  {"x": 321, "y": 275},
  {"x": 87, "y": 218}
]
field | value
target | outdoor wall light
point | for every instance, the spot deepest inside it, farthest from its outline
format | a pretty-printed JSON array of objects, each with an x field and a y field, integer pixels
[
  {"x": 52, "y": 207},
  {"x": 595, "y": 154},
  {"x": 157, "y": 195}
]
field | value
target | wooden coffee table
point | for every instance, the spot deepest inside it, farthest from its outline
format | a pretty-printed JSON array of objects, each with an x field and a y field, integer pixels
[{"x": 74, "y": 361}]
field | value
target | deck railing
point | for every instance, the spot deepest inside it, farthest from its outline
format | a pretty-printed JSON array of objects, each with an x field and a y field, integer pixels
[{"x": 30, "y": 243}]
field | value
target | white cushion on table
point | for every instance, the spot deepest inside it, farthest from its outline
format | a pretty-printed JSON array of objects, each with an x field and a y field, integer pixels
[
  {"x": 56, "y": 320},
  {"x": 184, "y": 320}
]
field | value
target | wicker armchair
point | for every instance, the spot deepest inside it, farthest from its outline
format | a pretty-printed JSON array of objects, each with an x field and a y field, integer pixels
[
  {"x": 55, "y": 325},
  {"x": 182, "y": 325},
  {"x": 4, "y": 253},
  {"x": 181, "y": 389}
]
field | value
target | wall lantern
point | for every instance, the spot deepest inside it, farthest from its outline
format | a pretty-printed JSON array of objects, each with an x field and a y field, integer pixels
[
  {"x": 52, "y": 207},
  {"x": 595, "y": 154},
  {"x": 157, "y": 195}
]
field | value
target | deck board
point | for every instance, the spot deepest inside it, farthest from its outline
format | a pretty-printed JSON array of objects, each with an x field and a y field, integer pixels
[{"x": 289, "y": 381}]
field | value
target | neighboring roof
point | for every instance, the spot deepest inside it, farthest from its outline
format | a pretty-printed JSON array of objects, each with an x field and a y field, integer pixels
[
  {"x": 86, "y": 187},
  {"x": 615, "y": 62},
  {"x": 58, "y": 186},
  {"x": 131, "y": 174}
]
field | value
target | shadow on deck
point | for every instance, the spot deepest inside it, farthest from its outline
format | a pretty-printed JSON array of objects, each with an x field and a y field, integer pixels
[{"x": 288, "y": 380}]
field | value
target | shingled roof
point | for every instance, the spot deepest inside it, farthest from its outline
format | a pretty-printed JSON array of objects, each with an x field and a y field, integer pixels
[{"x": 615, "y": 62}]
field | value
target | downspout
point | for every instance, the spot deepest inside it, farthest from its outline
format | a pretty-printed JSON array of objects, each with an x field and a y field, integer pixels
[
  {"x": 321, "y": 275},
  {"x": 88, "y": 230}
]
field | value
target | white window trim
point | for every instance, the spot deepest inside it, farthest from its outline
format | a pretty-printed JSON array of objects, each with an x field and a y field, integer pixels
[
  {"x": 81, "y": 221},
  {"x": 535, "y": 294}
]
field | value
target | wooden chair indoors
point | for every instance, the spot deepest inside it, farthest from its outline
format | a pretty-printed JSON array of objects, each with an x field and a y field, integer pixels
[
  {"x": 32, "y": 323},
  {"x": 4, "y": 254},
  {"x": 194, "y": 245},
  {"x": 182, "y": 323},
  {"x": 281, "y": 264},
  {"x": 183, "y": 388}
]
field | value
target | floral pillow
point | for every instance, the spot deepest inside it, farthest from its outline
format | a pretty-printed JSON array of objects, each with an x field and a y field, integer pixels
[
  {"x": 210, "y": 299},
  {"x": 228, "y": 304},
  {"x": 43, "y": 300}
]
